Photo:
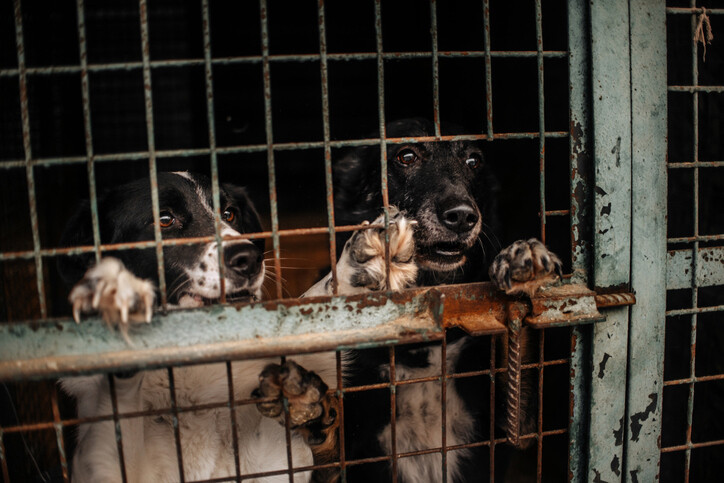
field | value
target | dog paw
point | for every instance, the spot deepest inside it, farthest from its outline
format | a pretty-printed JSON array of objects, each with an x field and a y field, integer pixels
[
  {"x": 362, "y": 264},
  {"x": 119, "y": 296},
  {"x": 525, "y": 266},
  {"x": 311, "y": 407}
]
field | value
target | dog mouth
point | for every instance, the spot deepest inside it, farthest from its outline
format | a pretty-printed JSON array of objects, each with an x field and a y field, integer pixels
[
  {"x": 189, "y": 299},
  {"x": 442, "y": 256}
]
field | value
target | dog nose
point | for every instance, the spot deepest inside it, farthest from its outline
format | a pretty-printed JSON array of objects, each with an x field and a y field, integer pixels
[
  {"x": 460, "y": 218},
  {"x": 243, "y": 258}
]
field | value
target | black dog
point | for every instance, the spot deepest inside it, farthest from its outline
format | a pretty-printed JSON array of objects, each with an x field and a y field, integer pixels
[{"x": 449, "y": 189}]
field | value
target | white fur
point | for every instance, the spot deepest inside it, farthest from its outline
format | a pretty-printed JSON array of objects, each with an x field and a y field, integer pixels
[
  {"x": 149, "y": 445},
  {"x": 418, "y": 421}
]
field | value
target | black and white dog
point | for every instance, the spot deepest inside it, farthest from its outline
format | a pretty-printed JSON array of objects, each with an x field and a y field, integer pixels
[
  {"x": 122, "y": 289},
  {"x": 449, "y": 189}
]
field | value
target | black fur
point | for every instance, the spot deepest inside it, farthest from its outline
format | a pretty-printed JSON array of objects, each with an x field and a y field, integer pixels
[
  {"x": 437, "y": 179},
  {"x": 125, "y": 215}
]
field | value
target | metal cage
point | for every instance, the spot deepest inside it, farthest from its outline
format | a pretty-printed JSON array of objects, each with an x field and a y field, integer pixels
[{"x": 576, "y": 90}]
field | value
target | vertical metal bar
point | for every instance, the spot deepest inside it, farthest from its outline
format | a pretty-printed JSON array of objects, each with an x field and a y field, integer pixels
[
  {"x": 3, "y": 459},
  {"x": 443, "y": 406},
  {"x": 232, "y": 417},
  {"x": 287, "y": 432},
  {"x": 27, "y": 148},
  {"x": 58, "y": 426},
  {"x": 327, "y": 148},
  {"x": 85, "y": 94},
  {"x": 648, "y": 239},
  {"x": 174, "y": 420},
  {"x": 488, "y": 71},
  {"x": 340, "y": 415},
  {"x": 383, "y": 134},
  {"x": 695, "y": 246},
  {"x": 270, "y": 145},
  {"x": 492, "y": 405},
  {"x": 117, "y": 426},
  {"x": 541, "y": 119},
  {"x": 148, "y": 100},
  {"x": 215, "y": 195},
  {"x": 393, "y": 411},
  {"x": 579, "y": 169},
  {"x": 435, "y": 68},
  {"x": 610, "y": 67},
  {"x": 541, "y": 359}
]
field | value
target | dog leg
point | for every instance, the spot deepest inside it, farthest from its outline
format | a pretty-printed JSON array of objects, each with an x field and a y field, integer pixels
[
  {"x": 312, "y": 410},
  {"x": 524, "y": 267},
  {"x": 120, "y": 297}
]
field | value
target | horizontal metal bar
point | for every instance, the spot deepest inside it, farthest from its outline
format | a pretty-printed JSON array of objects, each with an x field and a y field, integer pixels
[
  {"x": 558, "y": 212},
  {"x": 709, "y": 268},
  {"x": 693, "y": 89},
  {"x": 683, "y": 447},
  {"x": 695, "y": 310},
  {"x": 696, "y": 164},
  {"x": 693, "y": 380},
  {"x": 684, "y": 10},
  {"x": 258, "y": 148},
  {"x": 699, "y": 238},
  {"x": 257, "y": 59}
]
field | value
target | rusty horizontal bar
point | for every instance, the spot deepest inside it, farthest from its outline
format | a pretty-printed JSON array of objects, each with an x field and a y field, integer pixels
[
  {"x": 695, "y": 310},
  {"x": 693, "y": 89},
  {"x": 696, "y": 238},
  {"x": 563, "y": 305},
  {"x": 257, "y": 59},
  {"x": 684, "y": 10},
  {"x": 558, "y": 212},
  {"x": 684, "y": 447},
  {"x": 51, "y": 252},
  {"x": 258, "y": 148},
  {"x": 696, "y": 164},
  {"x": 693, "y": 380}
]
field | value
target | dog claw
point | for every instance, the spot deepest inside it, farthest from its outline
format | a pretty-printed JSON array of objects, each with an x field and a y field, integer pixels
[{"x": 524, "y": 267}]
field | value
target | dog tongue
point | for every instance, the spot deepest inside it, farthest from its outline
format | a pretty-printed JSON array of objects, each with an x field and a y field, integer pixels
[{"x": 187, "y": 300}]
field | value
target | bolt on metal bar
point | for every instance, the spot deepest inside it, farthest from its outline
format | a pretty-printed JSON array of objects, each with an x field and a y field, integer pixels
[
  {"x": 117, "y": 426},
  {"x": 488, "y": 71},
  {"x": 151, "y": 139},
  {"x": 58, "y": 426},
  {"x": 541, "y": 119},
  {"x": 85, "y": 97},
  {"x": 27, "y": 148},
  {"x": 328, "y": 181},
  {"x": 281, "y": 58},
  {"x": 269, "y": 145},
  {"x": 435, "y": 70}
]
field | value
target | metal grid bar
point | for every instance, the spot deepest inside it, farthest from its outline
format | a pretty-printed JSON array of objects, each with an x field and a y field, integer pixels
[
  {"x": 327, "y": 148},
  {"x": 59, "y": 435},
  {"x": 232, "y": 418},
  {"x": 488, "y": 70},
  {"x": 151, "y": 139},
  {"x": 215, "y": 194},
  {"x": 174, "y": 420},
  {"x": 541, "y": 120},
  {"x": 3, "y": 458},
  {"x": 85, "y": 95},
  {"x": 269, "y": 145},
  {"x": 157, "y": 64},
  {"x": 435, "y": 79},
  {"x": 27, "y": 147},
  {"x": 117, "y": 427}
]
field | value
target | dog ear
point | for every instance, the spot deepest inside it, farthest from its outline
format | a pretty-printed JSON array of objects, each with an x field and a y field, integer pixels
[
  {"x": 250, "y": 220},
  {"x": 78, "y": 232},
  {"x": 357, "y": 187}
]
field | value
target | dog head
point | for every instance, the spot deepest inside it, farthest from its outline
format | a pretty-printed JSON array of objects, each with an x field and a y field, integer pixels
[
  {"x": 185, "y": 209},
  {"x": 446, "y": 186}
]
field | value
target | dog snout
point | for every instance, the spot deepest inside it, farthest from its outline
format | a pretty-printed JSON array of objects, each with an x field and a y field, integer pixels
[
  {"x": 243, "y": 259},
  {"x": 461, "y": 217}
]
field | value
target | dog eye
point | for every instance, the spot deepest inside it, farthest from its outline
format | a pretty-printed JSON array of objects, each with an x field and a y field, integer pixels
[
  {"x": 473, "y": 161},
  {"x": 229, "y": 215},
  {"x": 166, "y": 219},
  {"x": 406, "y": 156}
]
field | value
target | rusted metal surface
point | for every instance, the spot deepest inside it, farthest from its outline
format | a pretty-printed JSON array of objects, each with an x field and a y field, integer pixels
[
  {"x": 563, "y": 305},
  {"x": 516, "y": 312},
  {"x": 608, "y": 300}
]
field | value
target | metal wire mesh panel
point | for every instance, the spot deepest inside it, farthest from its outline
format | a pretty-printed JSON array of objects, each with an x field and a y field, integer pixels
[
  {"x": 269, "y": 96},
  {"x": 692, "y": 439}
]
